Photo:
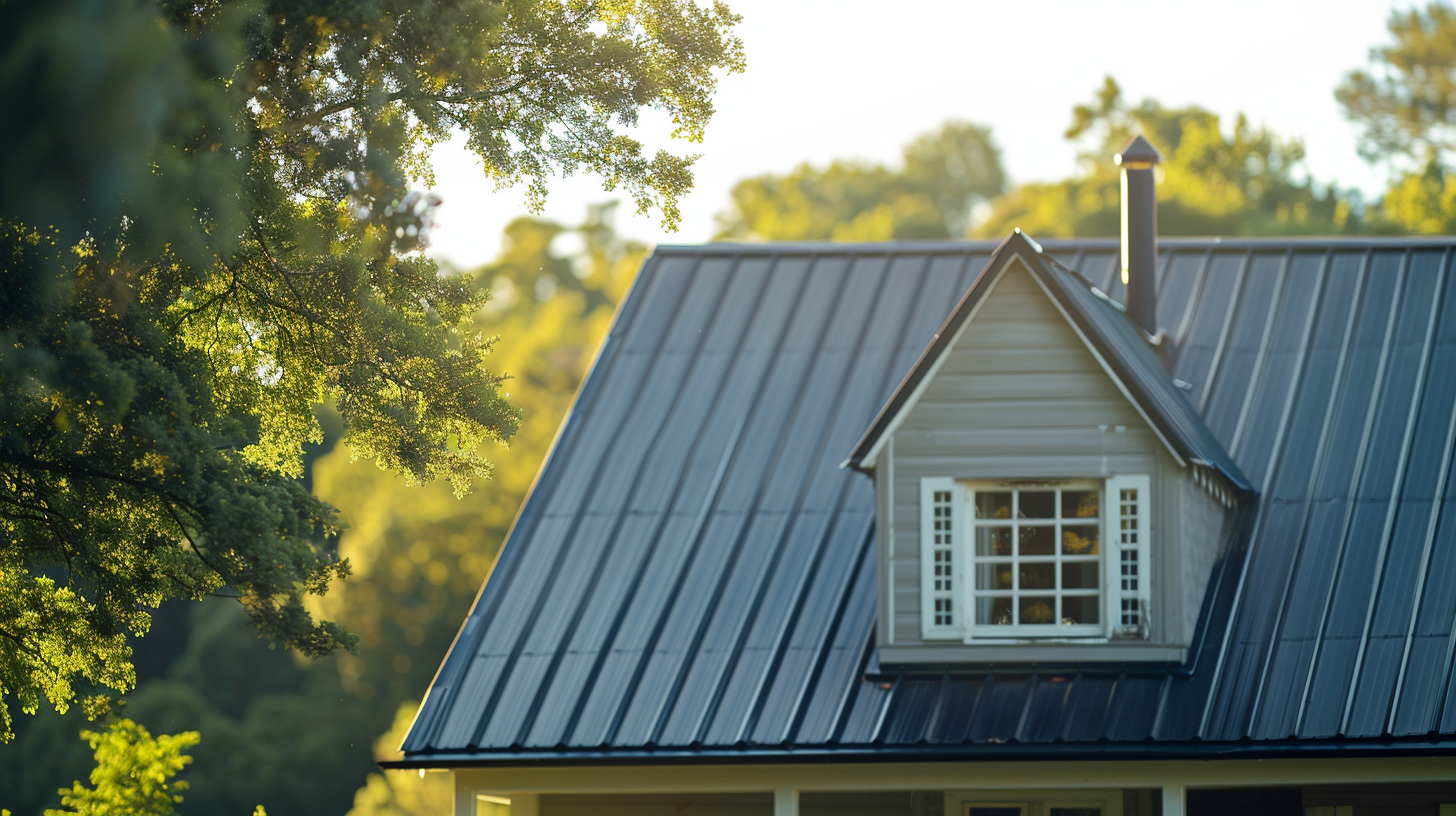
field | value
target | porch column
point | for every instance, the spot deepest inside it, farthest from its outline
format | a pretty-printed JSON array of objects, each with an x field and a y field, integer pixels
[
  {"x": 1173, "y": 799},
  {"x": 525, "y": 804},
  {"x": 786, "y": 802},
  {"x": 464, "y": 796}
]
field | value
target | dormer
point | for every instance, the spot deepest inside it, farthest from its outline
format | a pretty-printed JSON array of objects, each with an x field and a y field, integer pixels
[{"x": 1045, "y": 493}]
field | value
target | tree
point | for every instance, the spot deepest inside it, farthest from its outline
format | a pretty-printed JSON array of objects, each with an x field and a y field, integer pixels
[
  {"x": 209, "y": 223},
  {"x": 1405, "y": 104},
  {"x": 295, "y": 735},
  {"x": 1246, "y": 182},
  {"x": 133, "y": 773},
  {"x": 1405, "y": 109},
  {"x": 944, "y": 174}
]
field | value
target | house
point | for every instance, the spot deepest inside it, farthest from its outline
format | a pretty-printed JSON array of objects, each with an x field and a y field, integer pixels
[{"x": 946, "y": 528}]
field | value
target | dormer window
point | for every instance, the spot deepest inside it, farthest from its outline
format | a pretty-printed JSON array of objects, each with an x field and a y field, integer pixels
[
  {"x": 1036, "y": 558},
  {"x": 1030, "y": 559}
]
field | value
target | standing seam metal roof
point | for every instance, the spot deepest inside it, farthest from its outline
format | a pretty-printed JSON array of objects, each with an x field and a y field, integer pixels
[{"x": 692, "y": 575}]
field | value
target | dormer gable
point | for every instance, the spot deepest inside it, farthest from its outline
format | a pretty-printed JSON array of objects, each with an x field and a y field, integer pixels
[{"x": 1044, "y": 491}]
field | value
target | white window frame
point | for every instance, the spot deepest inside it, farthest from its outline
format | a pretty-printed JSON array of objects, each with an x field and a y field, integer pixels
[
  {"x": 1128, "y": 537},
  {"x": 978, "y": 631},
  {"x": 933, "y": 571},
  {"x": 1126, "y": 534}
]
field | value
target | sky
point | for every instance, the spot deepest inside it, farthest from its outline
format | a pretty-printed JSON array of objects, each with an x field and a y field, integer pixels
[{"x": 851, "y": 79}]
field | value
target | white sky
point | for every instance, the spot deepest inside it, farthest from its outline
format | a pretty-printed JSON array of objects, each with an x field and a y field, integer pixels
[{"x": 855, "y": 79}]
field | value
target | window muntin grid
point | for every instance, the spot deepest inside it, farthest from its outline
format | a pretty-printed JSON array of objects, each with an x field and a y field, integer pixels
[
  {"x": 1036, "y": 560},
  {"x": 1128, "y": 562},
  {"x": 942, "y": 550}
]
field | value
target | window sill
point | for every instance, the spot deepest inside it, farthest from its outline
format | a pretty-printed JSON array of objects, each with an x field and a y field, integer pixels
[{"x": 1033, "y": 651}]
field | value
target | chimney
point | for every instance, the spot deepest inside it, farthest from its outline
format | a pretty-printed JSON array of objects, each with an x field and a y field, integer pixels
[{"x": 1140, "y": 231}]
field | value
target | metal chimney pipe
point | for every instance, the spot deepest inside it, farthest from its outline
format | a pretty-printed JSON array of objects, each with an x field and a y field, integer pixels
[{"x": 1140, "y": 231}]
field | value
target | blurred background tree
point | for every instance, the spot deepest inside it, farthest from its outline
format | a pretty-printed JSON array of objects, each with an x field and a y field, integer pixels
[
  {"x": 1249, "y": 181},
  {"x": 297, "y": 735},
  {"x": 1404, "y": 105},
  {"x": 943, "y": 176}
]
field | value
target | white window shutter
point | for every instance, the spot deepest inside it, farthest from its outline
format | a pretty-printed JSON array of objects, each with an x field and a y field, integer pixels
[
  {"x": 1129, "y": 573},
  {"x": 942, "y": 595}
]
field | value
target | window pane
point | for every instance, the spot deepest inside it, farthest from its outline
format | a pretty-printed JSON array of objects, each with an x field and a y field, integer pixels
[
  {"x": 993, "y": 541},
  {"x": 1038, "y": 540},
  {"x": 1038, "y": 610},
  {"x": 1079, "y": 504},
  {"x": 993, "y": 611},
  {"x": 993, "y": 505},
  {"x": 1036, "y": 504},
  {"x": 1038, "y": 576},
  {"x": 1079, "y": 539},
  {"x": 996, "y": 810},
  {"x": 993, "y": 576},
  {"x": 1081, "y": 575},
  {"x": 1080, "y": 610},
  {"x": 1074, "y": 811}
]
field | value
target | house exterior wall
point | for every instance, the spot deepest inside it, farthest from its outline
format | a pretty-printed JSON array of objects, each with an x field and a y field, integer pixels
[
  {"x": 658, "y": 804},
  {"x": 917, "y": 788},
  {"x": 1020, "y": 396},
  {"x": 1202, "y": 540}
]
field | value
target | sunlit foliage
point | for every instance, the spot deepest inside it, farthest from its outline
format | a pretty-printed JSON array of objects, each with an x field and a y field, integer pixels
[
  {"x": 296, "y": 735},
  {"x": 1247, "y": 181},
  {"x": 133, "y": 773},
  {"x": 943, "y": 176},
  {"x": 1404, "y": 105},
  {"x": 209, "y": 223}
]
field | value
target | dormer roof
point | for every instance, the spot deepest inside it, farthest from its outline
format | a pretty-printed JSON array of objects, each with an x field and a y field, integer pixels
[{"x": 1127, "y": 354}]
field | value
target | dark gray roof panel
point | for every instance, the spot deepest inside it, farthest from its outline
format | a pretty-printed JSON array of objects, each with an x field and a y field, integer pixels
[{"x": 693, "y": 573}]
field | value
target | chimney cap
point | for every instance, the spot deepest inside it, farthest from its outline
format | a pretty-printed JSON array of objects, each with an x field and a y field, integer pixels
[{"x": 1138, "y": 151}]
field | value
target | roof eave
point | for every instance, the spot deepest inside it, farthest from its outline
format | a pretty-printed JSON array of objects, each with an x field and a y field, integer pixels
[{"x": 1424, "y": 745}]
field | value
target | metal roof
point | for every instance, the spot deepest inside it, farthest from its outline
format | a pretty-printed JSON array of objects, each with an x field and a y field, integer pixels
[{"x": 692, "y": 575}]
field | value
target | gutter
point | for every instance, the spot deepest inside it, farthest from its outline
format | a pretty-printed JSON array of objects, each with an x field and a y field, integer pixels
[{"x": 1426, "y": 746}]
